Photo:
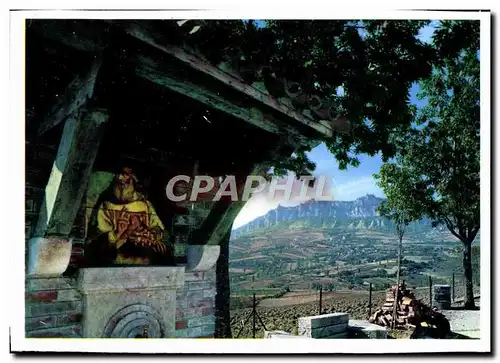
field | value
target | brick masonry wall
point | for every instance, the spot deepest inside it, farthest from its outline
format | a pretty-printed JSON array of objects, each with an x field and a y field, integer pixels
[
  {"x": 195, "y": 312},
  {"x": 53, "y": 308}
]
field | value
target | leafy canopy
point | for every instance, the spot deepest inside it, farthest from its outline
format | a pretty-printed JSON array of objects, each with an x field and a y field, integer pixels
[
  {"x": 436, "y": 169},
  {"x": 364, "y": 70}
]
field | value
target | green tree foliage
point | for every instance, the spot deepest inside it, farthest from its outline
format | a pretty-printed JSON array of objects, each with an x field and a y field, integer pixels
[
  {"x": 363, "y": 69},
  {"x": 372, "y": 62},
  {"x": 436, "y": 169}
]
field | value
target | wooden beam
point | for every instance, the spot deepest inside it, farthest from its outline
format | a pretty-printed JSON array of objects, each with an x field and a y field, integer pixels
[
  {"x": 223, "y": 213},
  {"x": 138, "y": 31},
  {"x": 153, "y": 71},
  {"x": 74, "y": 97},
  {"x": 82, "y": 35},
  {"x": 70, "y": 173}
]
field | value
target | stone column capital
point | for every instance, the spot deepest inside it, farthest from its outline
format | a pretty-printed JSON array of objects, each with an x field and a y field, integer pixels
[{"x": 48, "y": 256}]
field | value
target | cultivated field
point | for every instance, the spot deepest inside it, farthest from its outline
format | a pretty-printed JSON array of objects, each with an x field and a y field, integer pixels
[{"x": 283, "y": 313}]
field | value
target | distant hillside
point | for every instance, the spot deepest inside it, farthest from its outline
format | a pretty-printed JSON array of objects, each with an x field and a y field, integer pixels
[
  {"x": 340, "y": 245},
  {"x": 358, "y": 214}
]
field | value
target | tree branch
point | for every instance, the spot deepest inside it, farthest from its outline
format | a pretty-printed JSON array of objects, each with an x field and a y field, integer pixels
[{"x": 450, "y": 227}]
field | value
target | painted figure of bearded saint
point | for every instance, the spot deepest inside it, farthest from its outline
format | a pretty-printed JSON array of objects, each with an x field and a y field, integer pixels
[{"x": 129, "y": 232}]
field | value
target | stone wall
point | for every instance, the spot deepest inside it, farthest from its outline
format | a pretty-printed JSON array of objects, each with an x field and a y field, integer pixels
[
  {"x": 53, "y": 308},
  {"x": 196, "y": 306}
]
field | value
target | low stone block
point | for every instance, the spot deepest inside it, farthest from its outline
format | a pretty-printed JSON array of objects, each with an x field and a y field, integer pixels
[
  {"x": 318, "y": 321},
  {"x": 324, "y": 331},
  {"x": 362, "y": 329}
]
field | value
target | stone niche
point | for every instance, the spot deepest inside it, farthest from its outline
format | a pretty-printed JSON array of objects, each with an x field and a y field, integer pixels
[{"x": 129, "y": 302}]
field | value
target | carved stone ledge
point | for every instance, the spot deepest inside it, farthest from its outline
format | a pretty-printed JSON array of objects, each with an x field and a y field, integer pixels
[
  {"x": 48, "y": 257},
  {"x": 129, "y": 278},
  {"x": 202, "y": 257}
]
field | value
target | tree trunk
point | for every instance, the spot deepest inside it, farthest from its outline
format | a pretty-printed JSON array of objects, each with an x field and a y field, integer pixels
[
  {"x": 467, "y": 263},
  {"x": 222, "y": 308},
  {"x": 398, "y": 277}
]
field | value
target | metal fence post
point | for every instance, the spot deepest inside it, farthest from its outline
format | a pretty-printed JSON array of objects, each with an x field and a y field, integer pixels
[
  {"x": 320, "y": 300},
  {"x": 370, "y": 302},
  {"x": 453, "y": 287},
  {"x": 430, "y": 290},
  {"x": 254, "y": 317}
]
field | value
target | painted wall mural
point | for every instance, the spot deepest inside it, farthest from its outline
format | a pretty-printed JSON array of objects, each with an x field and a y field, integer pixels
[{"x": 122, "y": 224}]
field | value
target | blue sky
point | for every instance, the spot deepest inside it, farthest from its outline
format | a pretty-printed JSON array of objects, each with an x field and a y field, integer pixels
[{"x": 348, "y": 184}]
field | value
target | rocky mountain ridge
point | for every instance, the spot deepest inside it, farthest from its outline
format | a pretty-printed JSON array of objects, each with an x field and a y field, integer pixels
[{"x": 357, "y": 214}]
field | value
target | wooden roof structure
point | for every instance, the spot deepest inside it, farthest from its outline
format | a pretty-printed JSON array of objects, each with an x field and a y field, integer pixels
[
  {"x": 156, "y": 50},
  {"x": 109, "y": 92}
]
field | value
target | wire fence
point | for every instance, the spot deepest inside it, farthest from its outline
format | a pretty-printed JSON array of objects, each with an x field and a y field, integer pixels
[{"x": 321, "y": 302}]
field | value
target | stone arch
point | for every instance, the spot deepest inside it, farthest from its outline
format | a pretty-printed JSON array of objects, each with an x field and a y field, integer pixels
[{"x": 130, "y": 322}]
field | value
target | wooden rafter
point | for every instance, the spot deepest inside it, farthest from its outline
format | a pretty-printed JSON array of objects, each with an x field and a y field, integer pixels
[
  {"x": 75, "y": 96},
  {"x": 153, "y": 71},
  {"x": 88, "y": 38},
  {"x": 223, "y": 213},
  {"x": 139, "y": 32}
]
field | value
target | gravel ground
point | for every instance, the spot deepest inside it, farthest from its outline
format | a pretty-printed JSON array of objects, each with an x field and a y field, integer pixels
[{"x": 465, "y": 322}]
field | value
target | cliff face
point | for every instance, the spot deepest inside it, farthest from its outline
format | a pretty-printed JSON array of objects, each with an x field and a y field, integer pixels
[{"x": 357, "y": 214}]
